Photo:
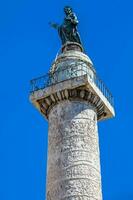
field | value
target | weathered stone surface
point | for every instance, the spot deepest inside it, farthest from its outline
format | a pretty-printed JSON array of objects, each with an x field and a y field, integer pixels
[
  {"x": 79, "y": 72},
  {"x": 75, "y": 59},
  {"x": 73, "y": 154},
  {"x": 73, "y": 104}
]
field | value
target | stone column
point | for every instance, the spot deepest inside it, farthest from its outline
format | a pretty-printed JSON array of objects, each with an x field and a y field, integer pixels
[
  {"x": 73, "y": 99},
  {"x": 73, "y": 154}
]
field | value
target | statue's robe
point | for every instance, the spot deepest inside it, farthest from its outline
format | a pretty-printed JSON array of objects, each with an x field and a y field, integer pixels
[{"x": 68, "y": 30}]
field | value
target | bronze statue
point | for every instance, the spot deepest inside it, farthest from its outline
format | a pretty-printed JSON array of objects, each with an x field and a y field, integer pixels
[{"x": 68, "y": 30}]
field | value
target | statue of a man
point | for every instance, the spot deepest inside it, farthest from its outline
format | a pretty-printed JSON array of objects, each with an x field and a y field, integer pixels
[{"x": 68, "y": 30}]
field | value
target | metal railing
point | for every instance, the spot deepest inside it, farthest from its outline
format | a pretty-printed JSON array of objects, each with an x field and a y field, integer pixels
[{"x": 73, "y": 71}]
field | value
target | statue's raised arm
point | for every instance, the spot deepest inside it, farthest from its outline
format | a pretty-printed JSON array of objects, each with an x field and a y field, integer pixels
[
  {"x": 68, "y": 29},
  {"x": 54, "y": 25}
]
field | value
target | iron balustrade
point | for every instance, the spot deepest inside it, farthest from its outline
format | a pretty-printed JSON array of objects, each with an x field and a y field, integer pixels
[{"x": 73, "y": 71}]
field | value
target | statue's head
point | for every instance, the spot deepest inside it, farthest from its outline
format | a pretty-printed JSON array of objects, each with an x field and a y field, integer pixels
[{"x": 67, "y": 10}]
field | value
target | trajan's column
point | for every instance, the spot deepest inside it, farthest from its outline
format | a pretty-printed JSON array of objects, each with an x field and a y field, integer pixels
[{"x": 73, "y": 99}]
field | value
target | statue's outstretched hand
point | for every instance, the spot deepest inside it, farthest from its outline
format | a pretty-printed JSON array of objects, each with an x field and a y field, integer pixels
[{"x": 53, "y": 25}]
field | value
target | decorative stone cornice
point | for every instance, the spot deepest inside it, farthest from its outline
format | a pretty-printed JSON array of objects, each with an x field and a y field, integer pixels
[{"x": 78, "y": 94}]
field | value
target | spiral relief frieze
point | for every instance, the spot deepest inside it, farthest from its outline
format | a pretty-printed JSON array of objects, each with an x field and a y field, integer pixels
[{"x": 73, "y": 155}]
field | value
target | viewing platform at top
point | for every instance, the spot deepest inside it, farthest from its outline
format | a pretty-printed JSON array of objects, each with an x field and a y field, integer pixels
[{"x": 72, "y": 69}]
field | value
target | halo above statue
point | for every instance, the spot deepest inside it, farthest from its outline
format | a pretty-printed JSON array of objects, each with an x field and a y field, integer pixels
[{"x": 68, "y": 29}]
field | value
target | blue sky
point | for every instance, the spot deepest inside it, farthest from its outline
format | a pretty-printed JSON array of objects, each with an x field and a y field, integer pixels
[{"x": 27, "y": 48}]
